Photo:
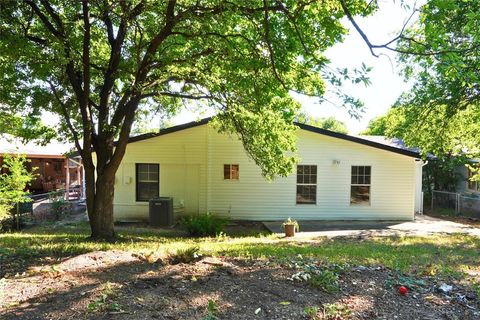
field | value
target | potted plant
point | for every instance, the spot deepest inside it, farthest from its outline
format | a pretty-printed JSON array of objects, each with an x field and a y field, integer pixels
[{"x": 290, "y": 226}]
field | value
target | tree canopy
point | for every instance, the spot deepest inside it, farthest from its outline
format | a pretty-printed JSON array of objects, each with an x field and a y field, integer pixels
[
  {"x": 441, "y": 54},
  {"x": 96, "y": 63},
  {"x": 28, "y": 128},
  {"x": 93, "y": 64},
  {"x": 432, "y": 130},
  {"x": 452, "y": 142}
]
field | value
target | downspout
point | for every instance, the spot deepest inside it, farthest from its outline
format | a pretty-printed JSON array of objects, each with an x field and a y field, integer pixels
[{"x": 422, "y": 196}]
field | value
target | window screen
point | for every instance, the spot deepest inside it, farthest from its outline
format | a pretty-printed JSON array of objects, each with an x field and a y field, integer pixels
[
  {"x": 306, "y": 184},
  {"x": 360, "y": 185},
  {"x": 231, "y": 171},
  {"x": 147, "y": 181}
]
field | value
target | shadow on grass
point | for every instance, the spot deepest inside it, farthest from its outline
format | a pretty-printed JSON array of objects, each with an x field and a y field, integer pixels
[
  {"x": 450, "y": 254},
  {"x": 49, "y": 244},
  {"x": 142, "y": 291}
]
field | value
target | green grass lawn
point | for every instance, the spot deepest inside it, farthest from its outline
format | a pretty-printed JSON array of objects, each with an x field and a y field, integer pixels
[{"x": 443, "y": 254}]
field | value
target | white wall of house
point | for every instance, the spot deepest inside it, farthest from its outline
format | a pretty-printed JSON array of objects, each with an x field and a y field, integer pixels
[
  {"x": 251, "y": 197},
  {"x": 191, "y": 171},
  {"x": 182, "y": 159}
]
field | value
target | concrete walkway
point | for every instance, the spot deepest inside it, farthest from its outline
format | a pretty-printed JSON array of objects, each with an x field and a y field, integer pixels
[{"x": 422, "y": 226}]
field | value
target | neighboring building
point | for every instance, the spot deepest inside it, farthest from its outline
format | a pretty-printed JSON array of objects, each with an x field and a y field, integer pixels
[
  {"x": 49, "y": 163},
  {"x": 338, "y": 177},
  {"x": 465, "y": 185}
]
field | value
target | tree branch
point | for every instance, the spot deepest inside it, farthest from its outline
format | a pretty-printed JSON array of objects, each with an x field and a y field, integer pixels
[
  {"x": 143, "y": 68},
  {"x": 44, "y": 19},
  {"x": 176, "y": 95},
  {"x": 53, "y": 15},
  {"x": 400, "y": 36},
  {"x": 266, "y": 26},
  {"x": 357, "y": 27},
  {"x": 85, "y": 102},
  {"x": 67, "y": 117}
]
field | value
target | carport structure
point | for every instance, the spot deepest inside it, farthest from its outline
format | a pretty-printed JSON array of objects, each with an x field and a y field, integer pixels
[{"x": 54, "y": 169}]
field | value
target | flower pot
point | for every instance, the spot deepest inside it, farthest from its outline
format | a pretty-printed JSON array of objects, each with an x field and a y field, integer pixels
[{"x": 289, "y": 230}]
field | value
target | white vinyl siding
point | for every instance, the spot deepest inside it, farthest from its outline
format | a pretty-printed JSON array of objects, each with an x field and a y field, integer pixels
[
  {"x": 392, "y": 185},
  {"x": 182, "y": 158},
  {"x": 191, "y": 165}
]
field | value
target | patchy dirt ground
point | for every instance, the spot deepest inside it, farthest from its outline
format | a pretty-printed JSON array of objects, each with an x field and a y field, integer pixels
[{"x": 119, "y": 285}]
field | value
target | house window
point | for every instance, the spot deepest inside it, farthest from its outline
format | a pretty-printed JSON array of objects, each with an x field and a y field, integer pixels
[
  {"x": 231, "y": 171},
  {"x": 472, "y": 184},
  {"x": 360, "y": 187},
  {"x": 147, "y": 181},
  {"x": 306, "y": 184}
]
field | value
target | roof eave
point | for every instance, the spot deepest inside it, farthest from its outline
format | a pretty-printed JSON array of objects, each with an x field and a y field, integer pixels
[
  {"x": 303, "y": 126},
  {"x": 369, "y": 143}
]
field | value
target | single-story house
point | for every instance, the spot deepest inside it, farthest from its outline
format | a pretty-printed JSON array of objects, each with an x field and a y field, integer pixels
[{"x": 338, "y": 177}]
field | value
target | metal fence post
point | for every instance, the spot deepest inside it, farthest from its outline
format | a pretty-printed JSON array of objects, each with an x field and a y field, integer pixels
[
  {"x": 457, "y": 203},
  {"x": 433, "y": 192},
  {"x": 421, "y": 203}
]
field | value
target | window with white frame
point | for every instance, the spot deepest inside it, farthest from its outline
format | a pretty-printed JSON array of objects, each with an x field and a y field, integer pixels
[
  {"x": 231, "y": 171},
  {"x": 306, "y": 184},
  {"x": 147, "y": 181},
  {"x": 360, "y": 185}
]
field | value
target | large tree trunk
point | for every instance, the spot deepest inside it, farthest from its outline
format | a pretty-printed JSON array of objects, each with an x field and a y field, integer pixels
[
  {"x": 100, "y": 204},
  {"x": 100, "y": 176}
]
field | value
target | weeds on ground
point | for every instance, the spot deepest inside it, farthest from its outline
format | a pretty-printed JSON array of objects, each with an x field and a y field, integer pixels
[
  {"x": 326, "y": 280},
  {"x": 440, "y": 255},
  {"x": 186, "y": 255},
  {"x": 336, "y": 311},
  {"x": 312, "y": 313},
  {"x": 150, "y": 257},
  {"x": 397, "y": 279},
  {"x": 319, "y": 276},
  {"x": 60, "y": 208},
  {"x": 211, "y": 311},
  {"x": 476, "y": 289},
  {"x": 105, "y": 301},
  {"x": 329, "y": 311}
]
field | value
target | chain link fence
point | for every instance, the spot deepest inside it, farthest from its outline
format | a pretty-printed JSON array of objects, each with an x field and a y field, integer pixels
[{"x": 455, "y": 204}]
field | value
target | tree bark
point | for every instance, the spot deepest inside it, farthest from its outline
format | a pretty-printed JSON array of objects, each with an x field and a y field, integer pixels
[{"x": 100, "y": 195}]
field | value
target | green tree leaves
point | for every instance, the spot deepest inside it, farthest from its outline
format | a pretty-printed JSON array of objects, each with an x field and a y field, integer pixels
[
  {"x": 443, "y": 56},
  {"x": 96, "y": 63},
  {"x": 329, "y": 123},
  {"x": 441, "y": 53},
  {"x": 241, "y": 57},
  {"x": 13, "y": 184}
]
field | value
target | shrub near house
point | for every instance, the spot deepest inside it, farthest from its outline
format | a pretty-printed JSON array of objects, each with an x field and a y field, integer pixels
[{"x": 13, "y": 184}]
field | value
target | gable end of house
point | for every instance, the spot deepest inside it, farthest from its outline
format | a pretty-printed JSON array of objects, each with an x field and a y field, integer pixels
[{"x": 204, "y": 121}]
